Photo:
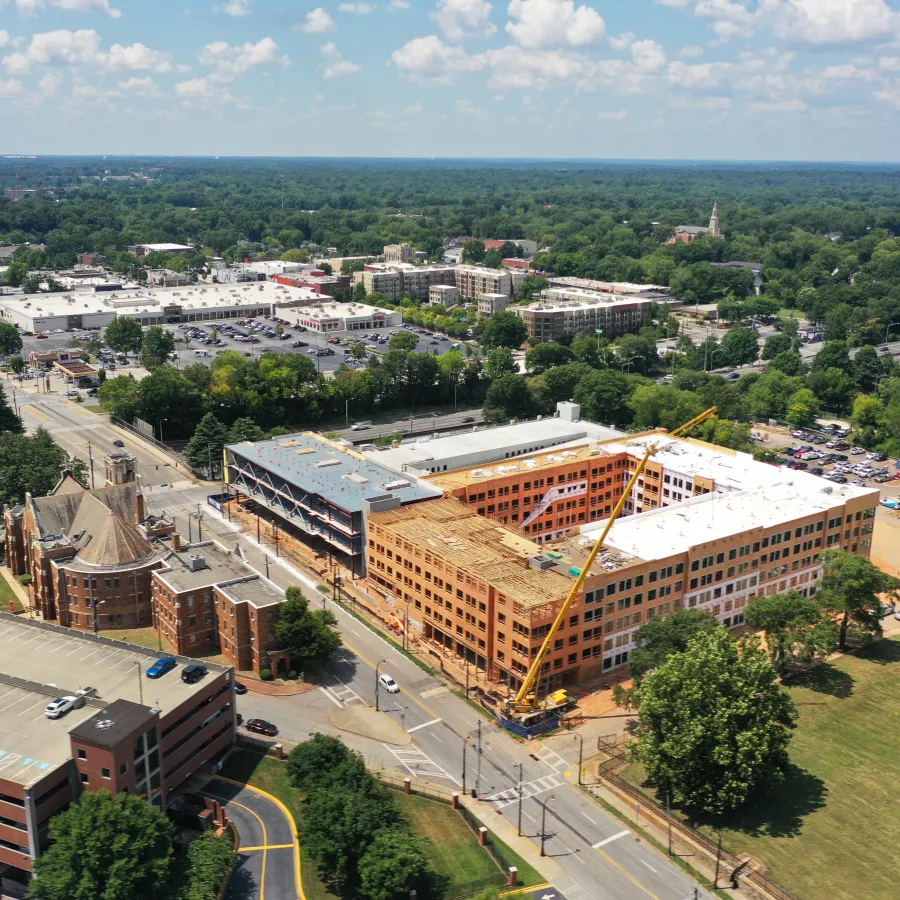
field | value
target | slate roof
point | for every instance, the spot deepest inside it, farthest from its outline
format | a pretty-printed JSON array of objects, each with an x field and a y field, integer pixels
[
  {"x": 56, "y": 513},
  {"x": 115, "y": 544}
]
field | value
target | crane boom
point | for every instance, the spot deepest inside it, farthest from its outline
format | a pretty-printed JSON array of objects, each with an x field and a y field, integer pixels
[{"x": 521, "y": 699}]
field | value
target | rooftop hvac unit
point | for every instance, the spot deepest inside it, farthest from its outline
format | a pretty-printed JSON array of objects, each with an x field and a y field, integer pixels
[{"x": 196, "y": 562}]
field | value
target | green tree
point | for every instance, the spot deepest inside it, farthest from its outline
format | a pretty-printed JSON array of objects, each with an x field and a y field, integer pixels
[
  {"x": 775, "y": 344},
  {"x": 156, "y": 347},
  {"x": 357, "y": 351},
  {"x": 32, "y": 463},
  {"x": 16, "y": 273},
  {"x": 604, "y": 395},
  {"x": 849, "y": 590},
  {"x": 120, "y": 397},
  {"x": 500, "y": 362},
  {"x": 473, "y": 252},
  {"x": 124, "y": 334},
  {"x": 739, "y": 347},
  {"x": 10, "y": 423},
  {"x": 658, "y": 406},
  {"x": 312, "y": 763},
  {"x": 211, "y": 858},
  {"x": 296, "y": 256},
  {"x": 105, "y": 848},
  {"x": 403, "y": 340},
  {"x": 505, "y": 329},
  {"x": 10, "y": 341},
  {"x": 658, "y": 638},
  {"x": 795, "y": 627},
  {"x": 803, "y": 409},
  {"x": 866, "y": 368},
  {"x": 204, "y": 449},
  {"x": 714, "y": 725},
  {"x": 16, "y": 364},
  {"x": 639, "y": 353},
  {"x": 790, "y": 363},
  {"x": 509, "y": 397},
  {"x": 309, "y": 637},
  {"x": 546, "y": 355},
  {"x": 395, "y": 864},
  {"x": 834, "y": 387},
  {"x": 833, "y": 355},
  {"x": 244, "y": 430}
]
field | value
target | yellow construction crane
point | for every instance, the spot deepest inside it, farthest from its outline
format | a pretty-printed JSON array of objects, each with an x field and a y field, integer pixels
[{"x": 526, "y": 699}]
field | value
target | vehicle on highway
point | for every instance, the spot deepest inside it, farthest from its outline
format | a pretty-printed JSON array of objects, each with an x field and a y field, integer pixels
[
  {"x": 385, "y": 681},
  {"x": 161, "y": 666},
  {"x": 468, "y": 419},
  {"x": 60, "y": 706},
  {"x": 299, "y": 344},
  {"x": 261, "y": 726},
  {"x": 71, "y": 395},
  {"x": 360, "y": 426},
  {"x": 118, "y": 443}
]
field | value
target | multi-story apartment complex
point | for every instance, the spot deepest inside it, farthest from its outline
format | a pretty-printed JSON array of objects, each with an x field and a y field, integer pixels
[
  {"x": 491, "y": 304},
  {"x": 584, "y": 312},
  {"x": 394, "y": 280},
  {"x": 705, "y": 528},
  {"x": 474, "y": 280},
  {"x": 126, "y": 733},
  {"x": 442, "y": 295},
  {"x": 403, "y": 253}
]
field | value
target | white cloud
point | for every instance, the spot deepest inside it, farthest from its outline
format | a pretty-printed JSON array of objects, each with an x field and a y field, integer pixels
[
  {"x": 317, "y": 21},
  {"x": 648, "y": 55},
  {"x": 397, "y": 5},
  {"x": 459, "y": 19},
  {"x": 468, "y": 108},
  {"x": 9, "y": 88},
  {"x": 50, "y": 84},
  {"x": 710, "y": 104},
  {"x": 778, "y": 106},
  {"x": 196, "y": 87},
  {"x": 358, "y": 9},
  {"x": 413, "y": 109},
  {"x": 5, "y": 38},
  {"x": 230, "y": 61},
  {"x": 82, "y": 48},
  {"x": 236, "y": 8},
  {"x": 831, "y": 21},
  {"x": 430, "y": 59},
  {"x": 542, "y": 23},
  {"x": 623, "y": 42},
  {"x": 337, "y": 66},
  {"x": 608, "y": 115},
  {"x": 145, "y": 86},
  {"x": 97, "y": 7},
  {"x": 692, "y": 51}
]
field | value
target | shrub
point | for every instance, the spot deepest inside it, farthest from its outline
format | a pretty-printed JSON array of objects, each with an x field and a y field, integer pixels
[
  {"x": 265, "y": 674},
  {"x": 26, "y": 579},
  {"x": 292, "y": 674}
]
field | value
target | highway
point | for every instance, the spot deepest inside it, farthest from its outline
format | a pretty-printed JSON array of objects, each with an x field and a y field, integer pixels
[
  {"x": 416, "y": 424},
  {"x": 599, "y": 857}
]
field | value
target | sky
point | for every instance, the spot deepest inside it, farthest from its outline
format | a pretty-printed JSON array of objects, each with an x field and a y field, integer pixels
[{"x": 606, "y": 79}]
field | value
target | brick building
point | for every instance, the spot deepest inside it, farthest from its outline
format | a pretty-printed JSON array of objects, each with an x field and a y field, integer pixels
[
  {"x": 90, "y": 552},
  {"x": 208, "y": 600},
  {"x": 129, "y": 734},
  {"x": 705, "y": 528},
  {"x": 474, "y": 280}
]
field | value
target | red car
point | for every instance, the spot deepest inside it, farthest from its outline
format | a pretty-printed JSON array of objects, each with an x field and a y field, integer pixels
[
  {"x": 261, "y": 726},
  {"x": 42, "y": 337}
]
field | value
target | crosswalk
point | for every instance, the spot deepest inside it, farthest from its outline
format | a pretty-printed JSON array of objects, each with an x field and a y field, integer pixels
[
  {"x": 418, "y": 763},
  {"x": 551, "y": 758},
  {"x": 529, "y": 789},
  {"x": 342, "y": 694}
]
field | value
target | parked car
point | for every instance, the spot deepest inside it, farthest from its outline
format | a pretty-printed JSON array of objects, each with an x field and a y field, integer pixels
[
  {"x": 817, "y": 470},
  {"x": 837, "y": 478},
  {"x": 856, "y": 451},
  {"x": 161, "y": 666},
  {"x": 299, "y": 344},
  {"x": 882, "y": 479},
  {"x": 240, "y": 688},
  {"x": 193, "y": 673},
  {"x": 60, "y": 706},
  {"x": 385, "y": 681},
  {"x": 261, "y": 726}
]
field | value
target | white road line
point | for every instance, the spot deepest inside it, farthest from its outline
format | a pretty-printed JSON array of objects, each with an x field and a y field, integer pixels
[
  {"x": 609, "y": 840},
  {"x": 529, "y": 789},
  {"x": 576, "y": 856},
  {"x": 331, "y": 697},
  {"x": 413, "y": 760},
  {"x": 423, "y": 725},
  {"x": 588, "y": 818},
  {"x": 433, "y": 692},
  {"x": 648, "y": 866}
]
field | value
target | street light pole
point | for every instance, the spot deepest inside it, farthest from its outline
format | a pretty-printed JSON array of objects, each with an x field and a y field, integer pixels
[
  {"x": 519, "y": 791},
  {"x": 465, "y": 747},
  {"x": 544, "y": 823},
  {"x": 380, "y": 661},
  {"x": 478, "y": 765},
  {"x": 580, "y": 754}
]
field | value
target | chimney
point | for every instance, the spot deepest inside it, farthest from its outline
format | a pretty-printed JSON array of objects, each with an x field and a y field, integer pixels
[{"x": 176, "y": 541}]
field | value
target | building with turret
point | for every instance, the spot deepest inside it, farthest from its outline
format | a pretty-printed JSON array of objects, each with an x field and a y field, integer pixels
[{"x": 685, "y": 234}]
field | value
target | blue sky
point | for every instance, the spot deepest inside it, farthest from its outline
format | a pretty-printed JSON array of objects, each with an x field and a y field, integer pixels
[{"x": 689, "y": 79}]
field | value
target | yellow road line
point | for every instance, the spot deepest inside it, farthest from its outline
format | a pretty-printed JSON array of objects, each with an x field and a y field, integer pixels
[
  {"x": 262, "y": 880},
  {"x": 265, "y": 847},
  {"x": 627, "y": 874},
  {"x": 36, "y": 413},
  {"x": 292, "y": 824},
  {"x": 526, "y": 890}
]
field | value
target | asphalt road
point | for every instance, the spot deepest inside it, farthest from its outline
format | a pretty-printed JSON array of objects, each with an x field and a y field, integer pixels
[
  {"x": 267, "y": 853},
  {"x": 602, "y": 859},
  {"x": 416, "y": 424}
]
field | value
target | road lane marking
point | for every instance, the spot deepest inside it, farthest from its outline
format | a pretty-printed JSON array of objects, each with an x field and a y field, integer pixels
[
  {"x": 609, "y": 840},
  {"x": 529, "y": 789},
  {"x": 588, "y": 818},
  {"x": 419, "y": 764},
  {"x": 423, "y": 725},
  {"x": 648, "y": 866},
  {"x": 331, "y": 697},
  {"x": 266, "y": 847},
  {"x": 628, "y": 874},
  {"x": 36, "y": 413}
]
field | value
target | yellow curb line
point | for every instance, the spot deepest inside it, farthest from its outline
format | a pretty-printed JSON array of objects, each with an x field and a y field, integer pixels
[
  {"x": 525, "y": 890},
  {"x": 292, "y": 823},
  {"x": 265, "y": 847}
]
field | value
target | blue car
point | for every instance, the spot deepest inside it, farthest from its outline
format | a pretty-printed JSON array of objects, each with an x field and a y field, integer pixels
[{"x": 161, "y": 666}]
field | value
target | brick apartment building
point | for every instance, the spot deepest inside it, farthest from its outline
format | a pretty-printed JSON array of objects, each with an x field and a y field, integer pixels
[
  {"x": 132, "y": 734},
  {"x": 705, "y": 528},
  {"x": 474, "y": 280},
  {"x": 551, "y": 319},
  {"x": 208, "y": 600}
]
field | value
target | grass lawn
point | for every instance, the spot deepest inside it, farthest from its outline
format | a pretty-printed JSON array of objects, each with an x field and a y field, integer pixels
[
  {"x": 7, "y": 594},
  {"x": 455, "y": 851},
  {"x": 142, "y": 637},
  {"x": 829, "y": 831}
]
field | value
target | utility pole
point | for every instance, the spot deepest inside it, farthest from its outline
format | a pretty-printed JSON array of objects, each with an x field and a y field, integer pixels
[
  {"x": 718, "y": 861},
  {"x": 669, "y": 817},
  {"x": 465, "y": 747},
  {"x": 477, "y": 793},
  {"x": 91, "y": 459},
  {"x": 544, "y": 823},
  {"x": 519, "y": 791}
]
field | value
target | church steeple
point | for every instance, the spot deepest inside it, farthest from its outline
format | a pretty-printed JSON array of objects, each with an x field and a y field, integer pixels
[{"x": 714, "y": 221}]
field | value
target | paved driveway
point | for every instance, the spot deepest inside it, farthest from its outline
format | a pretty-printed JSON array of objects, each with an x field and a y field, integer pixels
[{"x": 268, "y": 860}]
